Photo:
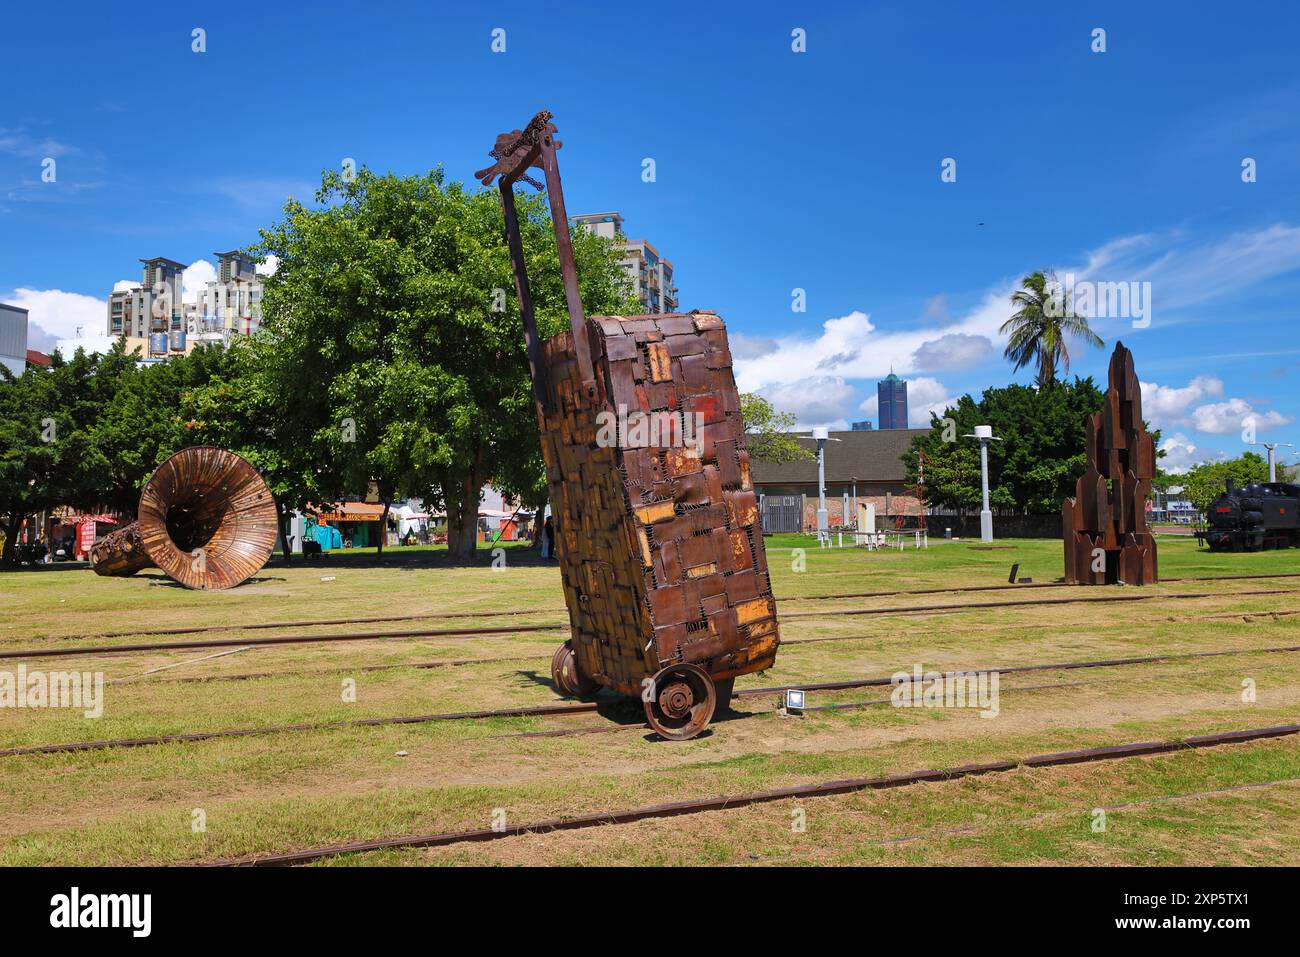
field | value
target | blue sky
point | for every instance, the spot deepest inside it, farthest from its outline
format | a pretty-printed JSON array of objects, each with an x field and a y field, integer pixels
[{"x": 775, "y": 170}]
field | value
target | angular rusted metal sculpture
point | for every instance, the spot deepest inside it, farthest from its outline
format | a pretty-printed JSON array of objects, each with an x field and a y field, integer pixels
[
  {"x": 1105, "y": 524},
  {"x": 206, "y": 518},
  {"x": 659, "y": 542}
]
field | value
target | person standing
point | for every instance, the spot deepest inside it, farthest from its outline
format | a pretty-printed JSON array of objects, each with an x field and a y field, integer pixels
[{"x": 548, "y": 539}]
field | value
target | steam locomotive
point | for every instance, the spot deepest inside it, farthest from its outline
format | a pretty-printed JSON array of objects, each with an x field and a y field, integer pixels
[{"x": 1261, "y": 515}]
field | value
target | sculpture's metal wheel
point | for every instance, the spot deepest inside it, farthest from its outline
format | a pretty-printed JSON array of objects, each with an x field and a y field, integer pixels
[
  {"x": 680, "y": 701},
  {"x": 568, "y": 679}
]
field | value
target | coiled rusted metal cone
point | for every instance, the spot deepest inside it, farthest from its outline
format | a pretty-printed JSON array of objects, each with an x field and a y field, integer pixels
[{"x": 206, "y": 518}]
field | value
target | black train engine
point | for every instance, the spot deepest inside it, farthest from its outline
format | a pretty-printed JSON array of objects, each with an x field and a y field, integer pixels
[{"x": 1260, "y": 515}]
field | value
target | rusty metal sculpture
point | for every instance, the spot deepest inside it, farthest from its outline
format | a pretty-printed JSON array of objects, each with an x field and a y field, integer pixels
[
  {"x": 1105, "y": 524},
  {"x": 206, "y": 518},
  {"x": 659, "y": 542}
]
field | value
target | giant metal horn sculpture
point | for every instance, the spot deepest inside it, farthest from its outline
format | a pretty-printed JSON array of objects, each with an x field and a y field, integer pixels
[{"x": 206, "y": 518}]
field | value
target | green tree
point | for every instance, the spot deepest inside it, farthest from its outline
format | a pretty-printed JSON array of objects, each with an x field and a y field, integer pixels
[
  {"x": 1203, "y": 483},
  {"x": 1042, "y": 325},
  {"x": 142, "y": 423},
  {"x": 234, "y": 410},
  {"x": 398, "y": 347},
  {"x": 1031, "y": 470},
  {"x": 29, "y": 451},
  {"x": 47, "y": 453},
  {"x": 767, "y": 431}
]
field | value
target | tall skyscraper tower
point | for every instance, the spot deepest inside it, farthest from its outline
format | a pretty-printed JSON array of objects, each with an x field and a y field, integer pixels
[{"x": 892, "y": 395}]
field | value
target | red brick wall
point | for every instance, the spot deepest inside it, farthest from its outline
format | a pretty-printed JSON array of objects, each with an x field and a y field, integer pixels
[{"x": 898, "y": 504}]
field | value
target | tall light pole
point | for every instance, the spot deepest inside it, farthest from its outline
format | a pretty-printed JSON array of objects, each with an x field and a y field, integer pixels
[
  {"x": 984, "y": 434},
  {"x": 1272, "y": 456},
  {"x": 823, "y": 517}
]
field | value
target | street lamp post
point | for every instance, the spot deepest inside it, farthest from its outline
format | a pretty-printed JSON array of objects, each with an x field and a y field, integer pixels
[
  {"x": 984, "y": 434},
  {"x": 823, "y": 517},
  {"x": 1272, "y": 456}
]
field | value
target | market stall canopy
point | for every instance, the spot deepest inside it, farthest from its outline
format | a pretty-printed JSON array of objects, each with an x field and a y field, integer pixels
[{"x": 351, "y": 512}]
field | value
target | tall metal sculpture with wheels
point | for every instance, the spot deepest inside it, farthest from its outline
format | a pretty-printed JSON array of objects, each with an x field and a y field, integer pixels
[{"x": 659, "y": 543}]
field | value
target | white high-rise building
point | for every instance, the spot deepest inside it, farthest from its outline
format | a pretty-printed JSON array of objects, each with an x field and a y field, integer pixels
[
  {"x": 650, "y": 273},
  {"x": 154, "y": 316},
  {"x": 233, "y": 301},
  {"x": 154, "y": 306}
]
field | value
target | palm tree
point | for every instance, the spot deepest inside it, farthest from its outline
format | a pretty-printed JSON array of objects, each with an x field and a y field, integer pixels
[{"x": 1041, "y": 325}]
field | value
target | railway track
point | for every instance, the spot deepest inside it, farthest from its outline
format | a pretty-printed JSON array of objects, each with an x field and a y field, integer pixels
[
  {"x": 274, "y": 640},
  {"x": 383, "y": 619},
  {"x": 458, "y": 662},
  {"x": 83, "y": 650},
  {"x": 590, "y": 707},
  {"x": 726, "y": 802},
  {"x": 1098, "y": 599}
]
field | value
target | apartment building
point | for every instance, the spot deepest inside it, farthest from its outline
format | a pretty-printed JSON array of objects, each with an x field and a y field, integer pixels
[
  {"x": 651, "y": 274},
  {"x": 153, "y": 307},
  {"x": 155, "y": 317},
  {"x": 233, "y": 301}
]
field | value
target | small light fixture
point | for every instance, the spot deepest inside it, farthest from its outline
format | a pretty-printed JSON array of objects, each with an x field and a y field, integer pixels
[{"x": 792, "y": 702}]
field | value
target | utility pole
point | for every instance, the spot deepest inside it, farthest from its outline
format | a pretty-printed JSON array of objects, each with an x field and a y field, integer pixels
[{"x": 984, "y": 434}]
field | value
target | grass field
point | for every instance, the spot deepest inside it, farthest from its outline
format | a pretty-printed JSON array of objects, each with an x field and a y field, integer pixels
[{"x": 1232, "y": 805}]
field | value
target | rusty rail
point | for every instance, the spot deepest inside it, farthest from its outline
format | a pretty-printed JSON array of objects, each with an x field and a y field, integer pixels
[
  {"x": 471, "y": 632},
  {"x": 592, "y": 707},
  {"x": 727, "y": 802},
  {"x": 196, "y": 629}
]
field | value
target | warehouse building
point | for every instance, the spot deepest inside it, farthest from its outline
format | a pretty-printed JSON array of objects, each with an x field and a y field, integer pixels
[{"x": 863, "y": 467}]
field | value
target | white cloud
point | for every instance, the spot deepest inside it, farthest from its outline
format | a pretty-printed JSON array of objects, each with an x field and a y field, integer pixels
[
  {"x": 124, "y": 285},
  {"x": 57, "y": 313},
  {"x": 1185, "y": 274},
  {"x": 816, "y": 400},
  {"x": 1182, "y": 273},
  {"x": 1180, "y": 454},
  {"x": 851, "y": 347},
  {"x": 957, "y": 350},
  {"x": 749, "y": 347},
  {"x": 195, "y": 279},
  {"x": 1164, "y": 405},
  {"x": 19, "y": 142},
  {"x": 1173, "y": 407},
  {"x": 272, "y": 263},
  {"x": 924, "y": 395},
  {"x": 40, "y": 340},
  {"x": 1235, "y": 415}
]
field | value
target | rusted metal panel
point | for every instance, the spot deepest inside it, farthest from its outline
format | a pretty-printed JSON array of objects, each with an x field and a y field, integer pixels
[
  {"x": 1108, "y": 512},
  {"x": 120, "y": 552}
]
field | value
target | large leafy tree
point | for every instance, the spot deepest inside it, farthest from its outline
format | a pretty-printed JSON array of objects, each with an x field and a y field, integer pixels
[
  {"x": 397, "y": 347},
  {"x": 30, "y": 422},
  {"x": 1203, "y": 483},
  {"x": 234, "y": 410},
  {"x": 1040, "y": 329},
  {"x": 48, "y": 456},
  {"x": 1035, "y": 466},
  {"x": 767, "y": 431},
  {"x": 143, "y": 423}
]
